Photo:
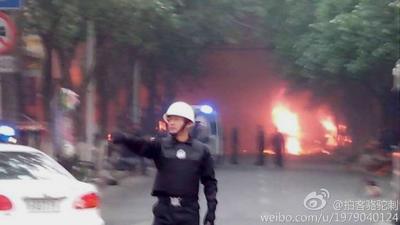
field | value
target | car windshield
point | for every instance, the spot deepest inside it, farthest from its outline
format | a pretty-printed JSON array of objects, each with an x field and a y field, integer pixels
[{"x": 31, "y": 166}]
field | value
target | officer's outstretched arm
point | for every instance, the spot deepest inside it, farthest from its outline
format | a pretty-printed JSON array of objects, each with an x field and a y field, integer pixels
[
  {"x": 210, "y": 187},
  {"x": 146, "y": 148}
]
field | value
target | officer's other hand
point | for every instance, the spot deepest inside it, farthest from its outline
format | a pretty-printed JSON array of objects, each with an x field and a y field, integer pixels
[
  {"x": 209, "y": 219},
  {"x": 116, "y": 137}
]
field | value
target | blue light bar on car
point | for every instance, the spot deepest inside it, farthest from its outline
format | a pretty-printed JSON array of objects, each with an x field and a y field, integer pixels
[
  {"x": 206, "y": 109},
  {"x": 7, "y": 131}
]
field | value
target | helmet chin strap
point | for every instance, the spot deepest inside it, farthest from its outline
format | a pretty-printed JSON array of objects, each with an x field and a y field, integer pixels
[{"x": 181, "y": 129}]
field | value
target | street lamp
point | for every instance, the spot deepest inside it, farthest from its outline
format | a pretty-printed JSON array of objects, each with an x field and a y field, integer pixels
[
  {"x": 396, "y": 76},
  {"x": 396, "y": 155}
]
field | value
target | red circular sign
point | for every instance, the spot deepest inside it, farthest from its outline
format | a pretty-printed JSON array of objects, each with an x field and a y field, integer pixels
[{"x": 8, "y": 33}]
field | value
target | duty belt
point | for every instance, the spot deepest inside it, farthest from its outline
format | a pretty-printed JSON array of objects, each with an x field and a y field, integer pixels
[{"x": 177, "y": 201}]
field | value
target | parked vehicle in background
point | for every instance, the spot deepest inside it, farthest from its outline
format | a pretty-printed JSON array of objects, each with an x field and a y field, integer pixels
[
  {"x": 208, "y": 129},
  {"x": 8, "y": 134}
]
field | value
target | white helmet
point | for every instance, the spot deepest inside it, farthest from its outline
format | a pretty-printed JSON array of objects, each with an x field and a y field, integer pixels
[{"x": 181, "y": 109}]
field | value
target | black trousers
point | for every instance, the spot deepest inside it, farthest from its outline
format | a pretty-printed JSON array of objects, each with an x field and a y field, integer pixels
[
  {"x": 167, "y": 214},
  {"x": 279, "y": 158}
]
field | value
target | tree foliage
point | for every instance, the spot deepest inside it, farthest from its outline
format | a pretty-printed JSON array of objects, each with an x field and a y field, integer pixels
[
  {"x": 342, "y": 48},
  {"x": 336, "y": 40}
]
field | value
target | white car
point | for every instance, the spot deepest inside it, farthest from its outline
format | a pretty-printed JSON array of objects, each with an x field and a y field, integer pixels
[{"x": 35, "y": 189}]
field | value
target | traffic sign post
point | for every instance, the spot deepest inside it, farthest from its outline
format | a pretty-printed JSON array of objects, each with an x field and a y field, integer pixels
[
  {"x": 8, "y": 36},
  {"x": 1, "y": 97},
  {"x": 8, "y": 64}
]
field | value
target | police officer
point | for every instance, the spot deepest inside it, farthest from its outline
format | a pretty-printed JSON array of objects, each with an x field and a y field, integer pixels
[
  {"x": 182, "y": 163},
  {"x": 235, "y": 146}
]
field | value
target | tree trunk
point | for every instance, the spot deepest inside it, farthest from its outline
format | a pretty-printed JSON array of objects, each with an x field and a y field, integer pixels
[
  {"x": 47, "y": 80},
  {"x": 103, "y": 109},
  {"x": 20, "y": 94},
  {"x": 66, "y": 58},
  {"x": 170, "y": 90},
  {"x": 79, "y": 118},
  {"x": 152, "y": 101},
  {"x": 101, "y": 80}
]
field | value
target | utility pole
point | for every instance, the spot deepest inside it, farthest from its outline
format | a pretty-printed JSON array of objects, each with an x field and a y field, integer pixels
[
  {"x": 136, "y": 113},
  {"x": 91, "y": 89}
]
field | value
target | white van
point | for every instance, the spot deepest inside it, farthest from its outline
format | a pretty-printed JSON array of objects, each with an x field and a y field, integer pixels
[{"x": 208, "y": 130}]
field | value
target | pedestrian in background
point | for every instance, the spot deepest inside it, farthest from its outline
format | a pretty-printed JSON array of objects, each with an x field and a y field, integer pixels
[
  {"x": 260, "y": 146},
  {"x": 278, "y": 145},
  {"x": 235, "y": 146}
]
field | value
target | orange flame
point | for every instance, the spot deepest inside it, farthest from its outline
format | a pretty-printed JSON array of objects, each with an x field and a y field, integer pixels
[
  {"x": 269, "y": 152},
  {"x": 331, "y": 131},
  {"x": 329, "y": 125},
  {"x": 287, "y": 123}
]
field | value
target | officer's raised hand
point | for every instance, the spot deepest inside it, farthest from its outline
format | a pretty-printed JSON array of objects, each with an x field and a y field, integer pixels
[
  {"x": 116, "y": 137},
  {"x": 138, "y": 145}
]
